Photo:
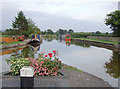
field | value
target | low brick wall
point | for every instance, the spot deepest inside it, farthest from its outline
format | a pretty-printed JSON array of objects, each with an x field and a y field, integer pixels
[{"x": 104, "y": 38}]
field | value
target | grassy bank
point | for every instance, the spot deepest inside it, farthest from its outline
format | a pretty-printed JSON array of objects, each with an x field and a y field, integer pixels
[
  {"x": 98, "y": 40},
  {"x": 72, "y": 68},
  {"x": 13, "y": 43}
]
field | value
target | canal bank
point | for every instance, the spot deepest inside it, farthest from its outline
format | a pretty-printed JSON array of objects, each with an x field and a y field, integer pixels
[
  {"x": 71, "y": 78},
  {"x": 12, "y": 45},
  {"x": 110, "y": 46}
]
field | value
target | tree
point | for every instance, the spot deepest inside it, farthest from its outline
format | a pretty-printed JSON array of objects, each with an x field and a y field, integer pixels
[
  {"x": 113, "y": 19},
  {"x": 49, "y": 31},
  {"x": 98, "y": 32},
  {"x": 32, "y": 29},
  {"x": 31, "y": 26},
  {"x": 70, "y": 31},
  {"x": 21, "y": 24},
  {"x": 9, "y": 31},
  {"x": 61, "y": 31}
]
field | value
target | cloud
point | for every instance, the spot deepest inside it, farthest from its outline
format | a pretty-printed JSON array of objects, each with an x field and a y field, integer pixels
[{"x": 80, "y": 15}]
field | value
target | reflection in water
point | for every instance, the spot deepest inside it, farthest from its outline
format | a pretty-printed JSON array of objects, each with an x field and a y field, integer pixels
[
  {"x": 80, "y": 43},
  {"x": 48, "y": 39},
  {"x": 9, "y": 51},
  {"x": 67, "y": 43},
  {"x": 28, "y": 51},
  {"x": 112, "y": 67}
]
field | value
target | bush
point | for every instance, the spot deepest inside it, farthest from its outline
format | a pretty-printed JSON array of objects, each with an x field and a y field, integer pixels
[
  {"x": 16, "y": 64},
  {"x": 44, "y": 65},
  {"x": 86, "y": 34}
]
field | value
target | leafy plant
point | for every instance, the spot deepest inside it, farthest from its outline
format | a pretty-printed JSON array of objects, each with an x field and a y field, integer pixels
[
  {"x": 113, "y": 20},
  {"x": 47, "y": 65},
  {"x": 44, "y": 65},
  {"x": 16, "y": 64}
]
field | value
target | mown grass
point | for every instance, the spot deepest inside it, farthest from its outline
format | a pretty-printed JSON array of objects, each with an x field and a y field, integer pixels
[
  {"x": 98, "y": 40},
  {"x": 13, "y": 43},
  {"x": 72, "y": 68}
]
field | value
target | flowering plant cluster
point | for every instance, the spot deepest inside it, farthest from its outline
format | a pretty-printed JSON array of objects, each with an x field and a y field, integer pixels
[
  {"x": 44, "y": 65},
  {"x": 16, "y": 64}
]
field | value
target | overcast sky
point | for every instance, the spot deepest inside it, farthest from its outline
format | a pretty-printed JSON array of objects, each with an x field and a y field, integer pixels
[{"x": 79, "y": 15}]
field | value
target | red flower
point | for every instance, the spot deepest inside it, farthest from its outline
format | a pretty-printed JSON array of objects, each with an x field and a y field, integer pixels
[
  {"x": 45, "y": 55},
  {"x": 50, "y": 54},
  {"x": 60, "y": 61},
  {"x": 54, "y": 51}
]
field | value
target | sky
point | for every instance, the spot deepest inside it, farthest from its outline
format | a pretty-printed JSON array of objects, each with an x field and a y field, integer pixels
[{"x": 79, "y": 15}]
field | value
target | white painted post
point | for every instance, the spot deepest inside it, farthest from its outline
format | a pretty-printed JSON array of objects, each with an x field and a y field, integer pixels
[{"x": 27, "y": 77}]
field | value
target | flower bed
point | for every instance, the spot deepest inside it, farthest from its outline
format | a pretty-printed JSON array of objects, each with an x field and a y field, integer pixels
[{"x": 44, "y": 65}]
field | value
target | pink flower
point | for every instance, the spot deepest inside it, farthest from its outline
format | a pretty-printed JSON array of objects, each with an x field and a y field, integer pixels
[
  {"x": 42, "y": 74},
  {"x": 55, "y": 73},
  {"x": 42, "y": 52},
  {"x": 37, "y": 67},
  {"x": 42, "y": 62},
  {"x": 39, "y": 73},
  {"x": 47, "y": 73}
]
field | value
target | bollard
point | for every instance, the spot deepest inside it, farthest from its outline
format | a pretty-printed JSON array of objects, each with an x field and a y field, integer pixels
[{"x": 27, "y": 77}]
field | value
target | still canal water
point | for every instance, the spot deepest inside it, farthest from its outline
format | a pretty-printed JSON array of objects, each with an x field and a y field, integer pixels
[{"x": 97, "y": 61}]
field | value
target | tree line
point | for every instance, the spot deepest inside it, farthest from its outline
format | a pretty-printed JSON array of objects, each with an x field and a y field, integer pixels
[
  {"x": 60, "y": 32},
  {"x": 23, "y": 26}
]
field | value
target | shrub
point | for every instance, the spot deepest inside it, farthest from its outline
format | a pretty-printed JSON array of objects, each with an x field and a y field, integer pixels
[
  {"x": 16, "y": 64},
  {"x": 45, "y": 65}
]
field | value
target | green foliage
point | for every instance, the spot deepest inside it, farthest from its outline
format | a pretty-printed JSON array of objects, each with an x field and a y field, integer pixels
[
  {"x": 32, "y": 28},
  {"x": 21, "y": 24},
  {"x": 113, "y": 20},
  {"x": 98, "y": 40},
  {"x": 112, "y": 66},
  {"x": 82, "y": 44},
  {"x": 49, "y": 31},
  {"x": 45, "y": 65},
  {"x": 16, "y": 64},
  {"x": 72, "y": 68},
  {"x": 98, "y": 32},
  {"x": 9, "y": 31},
  {"x": 61, "y": 31},
  {"x": 70, "y": 31},
  {"x": 18, "y": 42},
  {"x": 85, "y": 34}
]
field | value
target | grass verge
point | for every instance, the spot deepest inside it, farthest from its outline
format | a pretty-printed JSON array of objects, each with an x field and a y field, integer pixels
[
  {"x": 72, "y": 68},
  {"x": 13, "y": 43},
  {"x": 98, "y": 40}
]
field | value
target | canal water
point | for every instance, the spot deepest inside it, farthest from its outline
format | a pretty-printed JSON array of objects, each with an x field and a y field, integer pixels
[{"x": 98, "y": 61}]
